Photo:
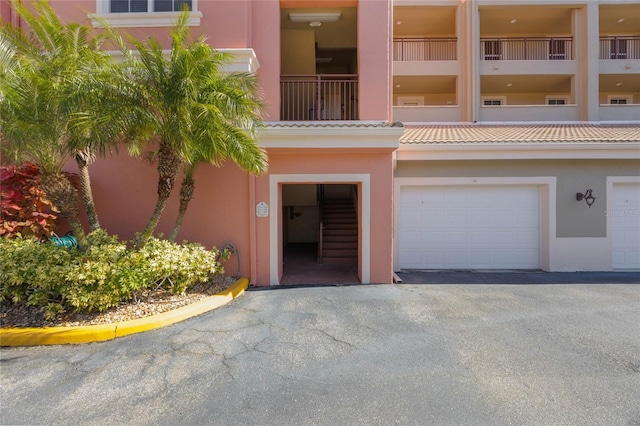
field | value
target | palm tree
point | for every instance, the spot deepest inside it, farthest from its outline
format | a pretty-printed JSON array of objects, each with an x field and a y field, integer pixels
[
  {"x": 198, "y": 113},
  {"x": 58, "y": 93},
  {"x": 225, "y": 127}
]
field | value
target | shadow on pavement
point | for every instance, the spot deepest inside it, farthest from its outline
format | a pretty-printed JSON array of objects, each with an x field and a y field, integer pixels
[{"x": 517, "y": 277}]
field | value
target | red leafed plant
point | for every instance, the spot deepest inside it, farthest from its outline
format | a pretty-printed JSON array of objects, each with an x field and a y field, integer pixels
[{"x": 23, "y": 207}]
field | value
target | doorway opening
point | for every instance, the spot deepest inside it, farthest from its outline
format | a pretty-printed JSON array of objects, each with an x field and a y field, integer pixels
[{"x": 320, "y": 234}]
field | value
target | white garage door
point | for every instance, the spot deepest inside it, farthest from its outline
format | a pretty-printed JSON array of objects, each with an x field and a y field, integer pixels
[
  {"x": 625, "y": 226},
  {"x": 469, "y": 227}
]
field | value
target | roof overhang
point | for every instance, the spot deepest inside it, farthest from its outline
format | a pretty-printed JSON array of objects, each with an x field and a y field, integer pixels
[{"x": 331, "y": 134}]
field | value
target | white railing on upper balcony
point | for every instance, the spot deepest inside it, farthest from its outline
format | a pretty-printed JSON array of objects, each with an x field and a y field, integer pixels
[
  {"x": 620, "y": 47},
  {"x": 319, "y": 97},
  {"x": 526, "y": 48},
  {"x": 424, "y": 49}
]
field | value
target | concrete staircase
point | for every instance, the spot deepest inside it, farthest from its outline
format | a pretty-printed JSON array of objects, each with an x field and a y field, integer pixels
[{"x": 340, "y": 233}]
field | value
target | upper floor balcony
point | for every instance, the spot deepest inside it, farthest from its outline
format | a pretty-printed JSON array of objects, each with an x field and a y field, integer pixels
[
  {"x": 424, "y": 49},
  {"x": 526, "y": 48},
  {"x": 620, "y": 47},
  {"x": 319, "y": 97}
]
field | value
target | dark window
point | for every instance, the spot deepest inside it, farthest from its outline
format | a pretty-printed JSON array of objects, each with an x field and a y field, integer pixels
[
  {"x": 620, "y": 101},
  {"x": 556, "y": 102},
  {"x": 492, "y": 102}
]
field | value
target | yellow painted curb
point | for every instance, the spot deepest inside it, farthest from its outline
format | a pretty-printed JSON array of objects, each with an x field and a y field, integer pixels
[{"x": 102, "y": 332}]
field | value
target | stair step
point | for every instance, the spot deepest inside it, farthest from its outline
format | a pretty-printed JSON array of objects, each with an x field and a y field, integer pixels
[
  {"x": 331, "y": 232},
  {"x": 341, "y": 221},
  {"x": 340, "y": 216},
  {"x": 340, "y": 238},
  {"x": 329, "y": 226}
]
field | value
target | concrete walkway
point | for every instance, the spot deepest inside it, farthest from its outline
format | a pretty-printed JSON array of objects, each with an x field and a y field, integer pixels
[{"x": 386, "y": 354}]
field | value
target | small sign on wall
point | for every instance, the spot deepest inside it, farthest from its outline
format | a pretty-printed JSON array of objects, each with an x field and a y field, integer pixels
[{"x": 262, "y": 209}]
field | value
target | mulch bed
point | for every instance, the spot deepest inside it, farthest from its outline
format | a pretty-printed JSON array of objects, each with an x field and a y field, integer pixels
[{"x": 151, "y": 303}]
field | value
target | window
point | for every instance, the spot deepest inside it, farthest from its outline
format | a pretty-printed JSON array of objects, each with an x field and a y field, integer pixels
[
  {"x": 144, "y": 13},
  {"x": 492, "y": 50},
  {"x": 128, "y": 6},
  {"x": 557, "y": 100},
  {"x": 619, "y": 99},
  {"x": 494, "y": 101},
  {"x": 410, "y": 101}
]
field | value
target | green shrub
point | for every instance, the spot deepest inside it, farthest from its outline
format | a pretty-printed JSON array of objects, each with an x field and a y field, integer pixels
[{"x": 102, "y": 277}]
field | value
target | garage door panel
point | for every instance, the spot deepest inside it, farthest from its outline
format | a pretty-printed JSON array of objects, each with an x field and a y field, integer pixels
[
  {"x": 435, "y": 237},
  {"x": 455, "y": 238},
  {"x": 479, "y": 227},
  {"x": 455, "y": 218},
  {"x": 624, "y": 217},
  {"x": 433, "y": 219},
  {"x": 412, "y": 239}
]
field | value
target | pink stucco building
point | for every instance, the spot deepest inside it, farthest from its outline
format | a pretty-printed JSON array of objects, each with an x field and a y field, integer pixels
[{"x": 448, "y": 134}]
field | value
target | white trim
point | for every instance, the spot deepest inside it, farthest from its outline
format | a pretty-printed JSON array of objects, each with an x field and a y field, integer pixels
[
  {"x": 274, "y": 202},
  {"x": 243, "y": 60},
  {"x": 330, "y": 134},
  {"x": 611, "y": 181},
  {"x": 143, "y": 19},
  {"x": 547, "y": 187},
  {"x": 527, "y": 151}
]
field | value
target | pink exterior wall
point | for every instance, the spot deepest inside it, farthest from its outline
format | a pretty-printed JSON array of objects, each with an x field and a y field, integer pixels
[
  {"x": 374, "y": 60},
  {"x": 377, "y": 163},
  {"x": 265, "y": 39},
  {"x": 125, "y": 195}
]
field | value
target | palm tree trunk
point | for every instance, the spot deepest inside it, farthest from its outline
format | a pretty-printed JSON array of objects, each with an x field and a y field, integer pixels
[
  {"x": 186, "y": 194},
  {"x": 83, "y": 161},
  {"x": 64, "y": 196},
  {"x": 168, "y": 168}
]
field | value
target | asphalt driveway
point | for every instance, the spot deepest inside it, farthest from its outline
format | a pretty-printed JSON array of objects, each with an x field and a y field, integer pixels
[{"x": 385, "y": 354}]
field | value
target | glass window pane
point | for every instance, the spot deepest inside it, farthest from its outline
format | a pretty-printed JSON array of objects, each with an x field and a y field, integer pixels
[
  {"x": 162, "y": 5},
  {"x": 138, "y": 6},
  {"x": 119, "y": 6}
]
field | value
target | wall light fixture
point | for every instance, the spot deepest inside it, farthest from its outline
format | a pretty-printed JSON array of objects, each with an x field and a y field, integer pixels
[{"x": 587, "y": 197}]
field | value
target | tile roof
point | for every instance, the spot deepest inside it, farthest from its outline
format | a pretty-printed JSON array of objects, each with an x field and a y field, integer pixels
[{"x": 519, "y": 134}]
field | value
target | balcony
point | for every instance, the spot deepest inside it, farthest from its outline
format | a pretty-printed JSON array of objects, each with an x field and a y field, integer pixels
[
  {"x": 424, "y": 49},
  {"x": 526, "y": 48},
  {"x": 529, "y": 113},
  {"x": 319, "y": 97},
  {"x": 620, "y": 47},
  {"x": 427, "y": 113}
]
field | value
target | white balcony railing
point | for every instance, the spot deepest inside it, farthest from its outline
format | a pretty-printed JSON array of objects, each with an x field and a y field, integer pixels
[
  {"x": 526, "y": 48},
  {"x": 620, "y": 47},
  {"x": 529, "y": 113},
  {"x": 424, "y": 49},
  {"x": 319, "y": 97}
]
